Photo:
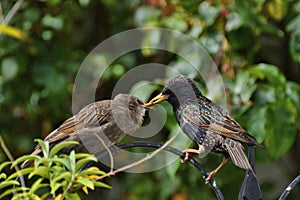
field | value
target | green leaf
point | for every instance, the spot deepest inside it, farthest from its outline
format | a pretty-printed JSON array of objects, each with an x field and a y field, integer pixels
[
  {"x": 11, "y": 191},
  {"x": 72, "y": 161},
  {"x": 256, "y": 122},
  {"x": 281, "y": 131},
  {"x": 84, "y": 161},
  {"x": 44, "y": 146},
  {"x": 72, "y": 196},
  {"x": 40, "y": 171},
  {"x": 64, "y": 161},
  {"x": 54, "y": 187},
  {"x": 269, "y": 72},
  {"x": 4, "y": 164},
  {"x": 89, "y": 171},
  {"x": 37, "y": 185},
  {"x": 63, "y": 175},
  {"x": 12, "y": 32},
  {"x": 85, "y": 182},
  {"x": 60, "y": 146},
  {"x": 24, "y": 158},
  {"x": 8, "y": 183},
  {"x": 21, "y": 172},
  {"x": 101, "y": 184},
  {"x": 3, "y": 176}
]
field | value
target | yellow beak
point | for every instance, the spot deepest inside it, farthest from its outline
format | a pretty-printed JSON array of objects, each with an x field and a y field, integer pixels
[{"x": 157, "y": 99}]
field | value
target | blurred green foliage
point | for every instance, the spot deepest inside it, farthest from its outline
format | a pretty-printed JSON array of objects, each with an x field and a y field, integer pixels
[{"x": 255, "y": 44}]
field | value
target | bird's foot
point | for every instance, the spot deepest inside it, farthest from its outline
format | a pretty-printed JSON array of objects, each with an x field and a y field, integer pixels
[
  {"x": 187, "y": 153},
  {"x": 210, "y": 176}
]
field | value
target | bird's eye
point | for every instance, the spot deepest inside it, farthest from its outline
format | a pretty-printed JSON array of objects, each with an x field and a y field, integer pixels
[{"x": 131, "y": 106}]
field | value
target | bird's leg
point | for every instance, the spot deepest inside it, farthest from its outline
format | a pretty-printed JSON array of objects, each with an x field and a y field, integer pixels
[
  {"x": 196, "y": 151},
  {"x": 213, "y": 173}
]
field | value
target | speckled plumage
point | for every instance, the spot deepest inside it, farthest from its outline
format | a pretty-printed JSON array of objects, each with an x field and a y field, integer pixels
[
  {"x": 207, "y": 124},
  {"x": 124, "y": 114}
]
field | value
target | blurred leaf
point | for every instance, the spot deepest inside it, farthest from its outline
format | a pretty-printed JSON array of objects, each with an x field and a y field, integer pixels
[
  {"x": 12, "y": 32},
  {"x": 269, "y": 72},
  {"x": 143, "y": 90},
  {"x": 208, "y": 13},
  {"x": 280, "y": 131},
  {"x": 240, "y": 38},
  {"x": 295, "y": 47},
  {"x": 58, "y": 197},
  {"x": 255, "y": 121},
  {"x": 233, "y": 21},
  {"x": 9, "y": 68},
  {"x": 150, "y": 41},
  {"x": 277, "y": 9}
]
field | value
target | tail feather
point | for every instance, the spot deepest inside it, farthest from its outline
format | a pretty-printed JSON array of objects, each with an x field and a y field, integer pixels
[{"x": 237, "y": 155}]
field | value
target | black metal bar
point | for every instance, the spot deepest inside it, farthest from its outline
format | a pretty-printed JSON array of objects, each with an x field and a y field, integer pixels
[
  {"x": 250, "y": 189},
  {"x": 289, "y": 188},
  {"x": 181, "y": 154}
]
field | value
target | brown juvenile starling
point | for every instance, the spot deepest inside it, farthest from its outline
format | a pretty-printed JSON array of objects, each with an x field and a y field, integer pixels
[
  {"x": 124, "y": 114},
  {"x": 206, "y": 123}
]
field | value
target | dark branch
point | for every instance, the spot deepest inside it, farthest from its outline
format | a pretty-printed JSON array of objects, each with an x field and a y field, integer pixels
[{"x": 289, "y": 188}]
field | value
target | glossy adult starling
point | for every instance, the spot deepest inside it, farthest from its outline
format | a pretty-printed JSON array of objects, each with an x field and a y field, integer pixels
[
  {"x": 124, "y": 114},
  {"x": 206, "y": 123}
]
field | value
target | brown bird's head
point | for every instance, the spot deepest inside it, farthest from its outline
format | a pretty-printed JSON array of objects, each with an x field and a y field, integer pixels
[
  {"x": 129, "y": 111},
  {"x": 177, "y": 90}
]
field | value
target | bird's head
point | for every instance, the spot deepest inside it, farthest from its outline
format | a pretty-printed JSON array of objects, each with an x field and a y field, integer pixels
[{"x": 177, "y": 90}]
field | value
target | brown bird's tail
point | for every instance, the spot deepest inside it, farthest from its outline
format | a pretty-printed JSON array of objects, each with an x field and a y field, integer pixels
[{"x": 237, "y": 155}]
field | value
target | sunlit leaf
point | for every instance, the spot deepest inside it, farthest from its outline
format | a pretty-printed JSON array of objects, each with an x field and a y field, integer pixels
[
  {"x": 86, "y": 182},
  {"x": 8, "y": 183},
  {"x": 84, "y": 161},
  {"x": 44, "y": 146},
  {"x": 60, "y": 146},
  {"x": 12, "y": 32},
  {"x": 21, "y": 172},
  {"x": 4, "y": 164},
  {"x": 40, "y": 171},
  {"x": 24, "y": 158}
]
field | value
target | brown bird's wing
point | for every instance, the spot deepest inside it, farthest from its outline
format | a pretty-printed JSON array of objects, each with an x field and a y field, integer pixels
[
  {"x": 93, "y": 115},
  {"x": 210, "y": 116}
]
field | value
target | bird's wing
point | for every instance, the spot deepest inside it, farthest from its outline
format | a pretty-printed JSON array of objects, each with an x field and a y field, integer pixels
[
  {"x": 209, "y": 116},
  {"x": 94, "y": 114}
]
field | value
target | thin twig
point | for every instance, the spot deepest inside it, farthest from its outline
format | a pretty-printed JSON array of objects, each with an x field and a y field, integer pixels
[
  {"x": 149, "y": 156},
  {"x": 108, "y": 150},
  {"x": 12, "y": 12},
  {"x": 11, "y": 158}
]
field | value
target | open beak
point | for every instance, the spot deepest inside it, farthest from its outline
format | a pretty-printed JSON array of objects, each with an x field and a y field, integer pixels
[{"x": 157, "y": 99}]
